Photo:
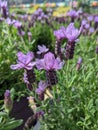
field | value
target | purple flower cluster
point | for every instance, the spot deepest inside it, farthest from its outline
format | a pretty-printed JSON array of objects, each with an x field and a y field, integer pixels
[
  {"x": 41, "y": 89},
  {"x": 60, "y": 34},
  {"x": 18, "y": 25},
  {"x": 72, "y": 33},
  {"x": 50, "y": 64},
  {"x": 73, "y": 14},
  {"x": 4, "y": 8},
  {"x": 42, "y": 49}
]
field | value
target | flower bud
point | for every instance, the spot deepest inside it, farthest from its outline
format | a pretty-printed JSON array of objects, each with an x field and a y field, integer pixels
[
  {"x": 78, "y": 63},
  {"x": 8, "y": 101}
]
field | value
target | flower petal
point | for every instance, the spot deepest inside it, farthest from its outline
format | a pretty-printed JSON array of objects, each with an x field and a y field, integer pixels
[{"x": 15, "y": 67}]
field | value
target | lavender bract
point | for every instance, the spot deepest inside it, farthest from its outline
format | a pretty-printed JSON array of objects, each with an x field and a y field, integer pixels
[
  {"x": 72, "y": 33},
  {"x": 24, "y": 61},
  {"x": 42, "y": 49},
  {"x": 60, "y": 34},
  {"x": 49, "y": 62}
]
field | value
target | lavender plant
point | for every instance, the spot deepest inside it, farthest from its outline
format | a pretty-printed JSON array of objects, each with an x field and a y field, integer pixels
[{"x": 63, "y": 96}]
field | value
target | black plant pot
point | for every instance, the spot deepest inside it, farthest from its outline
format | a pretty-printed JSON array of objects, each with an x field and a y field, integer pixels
[{"x": 21, "y": 110}]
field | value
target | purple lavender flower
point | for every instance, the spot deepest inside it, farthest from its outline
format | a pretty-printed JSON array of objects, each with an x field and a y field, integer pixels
[
  {"x": 72, "y": 33},
  {"x": 29, "y": 36},
  {"x": 9, "y": 21},
  {"x": 90, "y": 18},
  {"x": 87, "y": 26},
  {"x": 79, "y": 60},
  {"x": 73, "y": 14},
  {"x": 84, "y": 21},
  {"x": 24, "y": 17},
  {"x": 79, "y": 63},
  {"x": 96, "y": 19},
  {"x": 42, "y": 49},
  {"x": 60, "y": 34},
  {"x": 1, "y": 19},
  {"x": 91, "y": 30},
  {"x": 41, "y": 87},
  {"x": 24, "y": 61},
  {"x": 17, "y": 24},
  {"x": 4, "y": 8},
  {"x": 80, "y": 11},
  {"x": 7, "y": 94},
  {"x": 49, "y": 62}
]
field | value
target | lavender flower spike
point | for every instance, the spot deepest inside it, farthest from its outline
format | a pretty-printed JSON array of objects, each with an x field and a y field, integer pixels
[
  {"x": 8, "y": 103},
  {"x": 24, "y": 61},
  {"x": 72, "y": 33},
  {"x": 73, "y": 14},
  {"x": 78, "y": 63},
  {"x": 42, "y": 49},
  {"x": 41, "y": 87},
  {"x": 79, "y": 60},
  {"x": 4, "y": 8},
  {"x": 50, "y": 64}
]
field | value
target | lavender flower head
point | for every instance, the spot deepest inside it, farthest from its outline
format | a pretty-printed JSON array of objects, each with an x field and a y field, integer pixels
[
  {"x": 4, "y": 8},
  {"x": 7, "y": 94},
  {"x": 60, "y": 34},
  {"x": 9, "y": 21},
  {"x": 91, "y": 30},
  {"x": 42, "y": 49},
  {"x": 72, "y": 33},
  {"x": 49, "y": 62},
  {"x": 80, "y": 11},
  {"x": 24, "y": 61},
  {"x": 87, "y": 26},
  {"x": 90, "y": 18},
  {"x": 41, "y": 87},
  {"x": 84, "y": 21},
  {"x": 17, "y": 24},
  {"x": 96, "y": 19},
  {"x": 72, "y": 13},
  {"x": 29, "y": 34}
]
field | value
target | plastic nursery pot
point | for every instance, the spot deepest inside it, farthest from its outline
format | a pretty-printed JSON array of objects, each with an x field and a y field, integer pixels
[{"x": 21, "y": 110}]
